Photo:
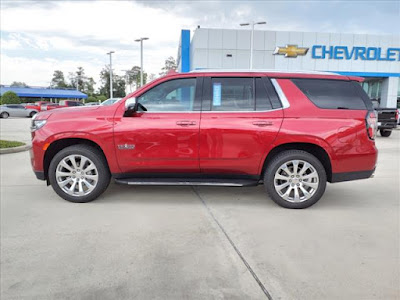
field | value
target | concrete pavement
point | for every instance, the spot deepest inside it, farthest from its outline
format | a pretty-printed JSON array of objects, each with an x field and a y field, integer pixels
[
  {"x": 184, "y": 243},
  {"x": 15, "y": 129}
]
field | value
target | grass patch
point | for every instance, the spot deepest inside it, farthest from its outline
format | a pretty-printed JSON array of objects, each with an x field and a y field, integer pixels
[{"x": 10, "y": 144}]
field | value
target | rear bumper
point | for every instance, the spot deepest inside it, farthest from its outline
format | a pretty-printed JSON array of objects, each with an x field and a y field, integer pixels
[
  {"x": 383, "y": 125},
  {"x": 339, "y": 177}
]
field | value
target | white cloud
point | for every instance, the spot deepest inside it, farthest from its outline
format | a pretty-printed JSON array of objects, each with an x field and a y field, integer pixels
[
  {"x": 38, "y": 37},
  {"x": 38, "y": 72},
  {"x": 86, "y": 30}
]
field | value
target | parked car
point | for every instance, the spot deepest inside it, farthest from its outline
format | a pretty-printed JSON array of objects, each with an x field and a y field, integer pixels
[
  {"x": 291, "y": 132},
  {"x": 16, "y": 110},
  {"x": 92, "y": 104},
  {"x": 41, "y": 105},
  {"x": 398, "y": 116},
  {"x": 387, "y": 119},
  {"x": 49, "y": 106},
  {"x": 69, "y": 103},
  {"x": 110, "y": 101}
]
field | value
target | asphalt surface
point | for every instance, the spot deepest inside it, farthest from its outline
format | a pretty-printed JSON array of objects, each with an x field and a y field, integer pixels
[{"x": 201, "y": 243}]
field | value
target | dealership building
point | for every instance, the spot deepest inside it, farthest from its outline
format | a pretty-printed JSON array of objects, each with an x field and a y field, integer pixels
[{"x": 374, "y": 57}]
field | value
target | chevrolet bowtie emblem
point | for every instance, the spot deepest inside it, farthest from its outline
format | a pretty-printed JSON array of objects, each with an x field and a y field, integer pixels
[{"x": 290, "y": 51}]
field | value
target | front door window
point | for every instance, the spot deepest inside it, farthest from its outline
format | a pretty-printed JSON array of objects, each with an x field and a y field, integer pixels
[{"x": 172, "y": 96}]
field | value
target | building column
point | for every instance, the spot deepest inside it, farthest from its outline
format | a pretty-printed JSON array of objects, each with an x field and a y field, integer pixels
[{"x": 389, "y": 92}]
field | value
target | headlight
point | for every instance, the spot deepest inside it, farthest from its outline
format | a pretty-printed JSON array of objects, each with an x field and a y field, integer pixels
[{"x": 37, "y": 124}]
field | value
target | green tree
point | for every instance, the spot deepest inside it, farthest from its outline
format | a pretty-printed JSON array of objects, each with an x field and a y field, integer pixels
[
  {"x": 85, "y": 84},
  {"x": 88, "y": 86},
  {"x": 10, "y": 98},
  {"x": 19, "y": 84},
  {"x": 118, "y": 83},
  {"x": 170, "y": 64},
  {"x": 133, "y": 76},
  {"x": 58, "y": 80},
  {"x": 101, "y": 98},
  {"x": 92, "y": 99}
]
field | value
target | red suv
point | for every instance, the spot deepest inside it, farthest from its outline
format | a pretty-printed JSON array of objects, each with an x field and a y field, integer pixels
[{"x": 292, "y": 132}]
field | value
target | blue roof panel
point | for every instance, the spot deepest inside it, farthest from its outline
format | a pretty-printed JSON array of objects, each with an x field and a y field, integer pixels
[{"x": 43, "y": 92}]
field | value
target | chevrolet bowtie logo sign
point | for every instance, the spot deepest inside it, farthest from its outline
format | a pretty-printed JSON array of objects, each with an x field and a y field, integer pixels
[{"x": 290, "y": 51}]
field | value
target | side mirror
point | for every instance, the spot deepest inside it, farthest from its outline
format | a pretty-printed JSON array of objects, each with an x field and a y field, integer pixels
[{"x": 133, "y": 108}]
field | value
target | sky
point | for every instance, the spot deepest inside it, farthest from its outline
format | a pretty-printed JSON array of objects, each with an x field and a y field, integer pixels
[{"x": 40, "y": 36}]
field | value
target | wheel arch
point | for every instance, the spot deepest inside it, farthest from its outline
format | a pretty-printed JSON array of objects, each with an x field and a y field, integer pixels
[
  {"x": 57, "y": 145},
  {"x": 319, "y": 152}
]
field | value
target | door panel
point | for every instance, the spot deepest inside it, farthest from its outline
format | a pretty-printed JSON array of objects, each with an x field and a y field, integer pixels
[
  {"x": 160, "y": 144},
  {"x": 166, "y": 137},
  {"x": 12, "y": 111},
  {"x": 235, "y": 142}
]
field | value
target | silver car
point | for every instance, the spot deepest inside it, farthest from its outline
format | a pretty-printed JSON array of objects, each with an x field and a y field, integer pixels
[
  {"x": 16, "y": 110},
  {"x": 110, "y": 101}
]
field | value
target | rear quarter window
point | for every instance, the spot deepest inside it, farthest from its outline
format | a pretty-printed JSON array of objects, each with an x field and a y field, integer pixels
[{"x": 333, "y": 94}]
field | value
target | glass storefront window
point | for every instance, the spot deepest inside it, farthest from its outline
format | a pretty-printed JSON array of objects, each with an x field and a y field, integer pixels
[{"x": 373, "y": 87}]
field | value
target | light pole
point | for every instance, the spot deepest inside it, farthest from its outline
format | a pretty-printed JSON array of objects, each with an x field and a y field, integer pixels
[
  {"x": 111, "y": 74},
  {"x": 252, "y": 39},
  {"x": 141, "y": 57}
]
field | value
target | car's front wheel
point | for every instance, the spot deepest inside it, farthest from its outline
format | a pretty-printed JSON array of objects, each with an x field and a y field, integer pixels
[
  {"x": 295, "y": 179},
  {"x": 32, "y": 113},
  {"x": 79, "y": 173}
]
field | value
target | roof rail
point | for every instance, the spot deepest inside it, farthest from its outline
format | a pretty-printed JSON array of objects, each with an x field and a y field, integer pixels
[{"x": 260, "y": 71}]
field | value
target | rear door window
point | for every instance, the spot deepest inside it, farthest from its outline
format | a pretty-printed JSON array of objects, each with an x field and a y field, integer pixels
[
  {"x": 332, "y": 94},
  {"x": 236, "y": 94},
  {"x": 232, "y": 94}
]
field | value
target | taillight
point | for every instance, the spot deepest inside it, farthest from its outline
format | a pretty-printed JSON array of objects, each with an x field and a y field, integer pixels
[{"x": 371, "y": 121}]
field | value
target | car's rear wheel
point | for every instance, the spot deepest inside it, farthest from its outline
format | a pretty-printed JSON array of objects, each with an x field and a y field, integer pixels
[
  {"x": 295, "y": 179},
  {"x": 79, "y": 173},
  {"x": 32, "y": 114},
  {"x": 4, "y": 115},
  {"x": 385, "y": 133}
]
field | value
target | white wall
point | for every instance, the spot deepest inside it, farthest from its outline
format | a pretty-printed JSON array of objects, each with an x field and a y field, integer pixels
[
  {"x": 210, "y": 49},
  {"x": 389, "y": 92}
]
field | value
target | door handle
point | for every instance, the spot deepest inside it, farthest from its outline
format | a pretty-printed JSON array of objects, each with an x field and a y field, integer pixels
[
  {"x": 185, "y": 123},
  {"x": 262, "y": 123}
]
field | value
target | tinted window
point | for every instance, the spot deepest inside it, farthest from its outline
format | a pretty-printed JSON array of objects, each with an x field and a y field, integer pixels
[
  {"x": 331, "y": 94},
  {"x": 232, "y": 94},
  {"x": 273, "y": 96},
  {"x": 262, "y": 99},
  {"x": 173, "y": 95}
]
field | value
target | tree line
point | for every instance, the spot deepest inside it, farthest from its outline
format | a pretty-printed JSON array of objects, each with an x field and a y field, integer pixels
[{"x": 80, "y": 81}]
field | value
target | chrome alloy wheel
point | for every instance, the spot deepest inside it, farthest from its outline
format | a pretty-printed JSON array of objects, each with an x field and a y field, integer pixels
[
  {"x": 77, "y": 175},
  {"x": 296, "y": 181}
]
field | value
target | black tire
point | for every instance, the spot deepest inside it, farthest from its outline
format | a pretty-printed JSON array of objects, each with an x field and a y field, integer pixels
[
  {"x": 96, "y": 157},
  {"x": 287, "y": 156},
  {"x": 385, "y": 133},
  {"x": 4, "y": 115},
  {"x": 32, "y": 114}
]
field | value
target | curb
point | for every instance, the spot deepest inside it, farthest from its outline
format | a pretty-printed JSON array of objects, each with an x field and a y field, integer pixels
[{"x": 15, "y": 149}]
